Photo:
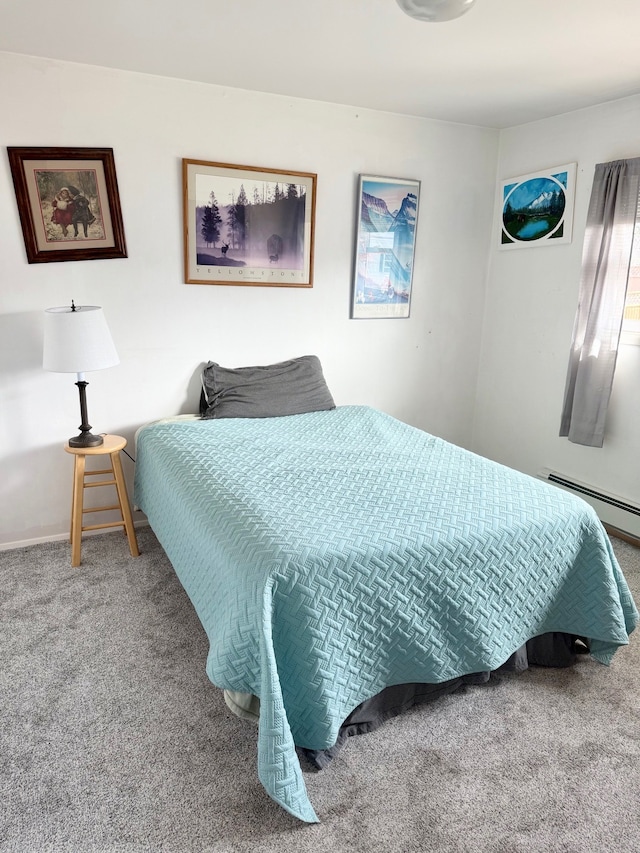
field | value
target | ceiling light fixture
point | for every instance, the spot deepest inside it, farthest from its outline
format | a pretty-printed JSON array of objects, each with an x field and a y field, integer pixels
[{"x": 435, "y": 11}]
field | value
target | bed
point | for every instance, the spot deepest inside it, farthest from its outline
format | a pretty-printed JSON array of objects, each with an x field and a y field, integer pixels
[{"x": 333, "y": 555}]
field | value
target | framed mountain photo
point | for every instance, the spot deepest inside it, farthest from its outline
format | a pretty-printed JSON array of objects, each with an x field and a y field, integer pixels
[
  {"x": 537, "y": 209},
  {"x": 385, "y": 247}
]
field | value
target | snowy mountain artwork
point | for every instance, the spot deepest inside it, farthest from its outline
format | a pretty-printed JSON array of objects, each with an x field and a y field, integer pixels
[
  {"x": 385, "y": 247},
  {"x": 537, "y": 209}
]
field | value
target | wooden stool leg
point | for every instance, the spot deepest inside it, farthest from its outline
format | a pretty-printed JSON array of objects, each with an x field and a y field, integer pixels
[
  {"x": 76, "y": 508},
  {"x": 73, "y": 500},
  {"x": 124, "y": 503}
]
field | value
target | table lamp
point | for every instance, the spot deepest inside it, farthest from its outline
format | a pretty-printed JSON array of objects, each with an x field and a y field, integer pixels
[{"x": 77, "y": 340}]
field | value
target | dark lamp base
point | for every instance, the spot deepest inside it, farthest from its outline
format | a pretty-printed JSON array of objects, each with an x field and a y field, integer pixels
[{"x": 86, "y": 439}]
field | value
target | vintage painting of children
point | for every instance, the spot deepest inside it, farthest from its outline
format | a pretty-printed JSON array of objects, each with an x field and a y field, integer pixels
[{"x": 70, "y": 204}]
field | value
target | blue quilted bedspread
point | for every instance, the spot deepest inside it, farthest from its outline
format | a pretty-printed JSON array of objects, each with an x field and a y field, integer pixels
[{"x": 332, "y": 554}]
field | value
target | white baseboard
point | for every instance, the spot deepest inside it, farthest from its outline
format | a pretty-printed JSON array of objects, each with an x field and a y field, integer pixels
[{"x": 60, "y": 537}]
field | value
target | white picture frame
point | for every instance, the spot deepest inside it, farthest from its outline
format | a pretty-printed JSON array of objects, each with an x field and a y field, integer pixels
[{"x": 537, "y": 209}]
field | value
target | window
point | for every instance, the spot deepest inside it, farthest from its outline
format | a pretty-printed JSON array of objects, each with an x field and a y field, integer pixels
[{"x": 631, "y": 318}]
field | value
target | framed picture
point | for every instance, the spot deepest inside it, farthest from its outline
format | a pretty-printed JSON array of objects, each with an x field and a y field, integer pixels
[
  {"x": 247, "y": 225},
  {"x": 537, "y": 209},
  {"x": 68, "y": 203},
  {"x": 385, "y": 247}
]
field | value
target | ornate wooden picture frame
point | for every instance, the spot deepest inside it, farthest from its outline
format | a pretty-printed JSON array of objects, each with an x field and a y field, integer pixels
[{"x": 68, "y": 203}]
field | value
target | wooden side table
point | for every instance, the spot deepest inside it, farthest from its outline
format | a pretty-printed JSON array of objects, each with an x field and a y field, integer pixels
[{"x": 111, "y": 446}]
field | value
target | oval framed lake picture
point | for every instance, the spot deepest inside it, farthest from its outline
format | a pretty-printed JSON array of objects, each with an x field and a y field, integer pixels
[{"x": 537, "y": 209}]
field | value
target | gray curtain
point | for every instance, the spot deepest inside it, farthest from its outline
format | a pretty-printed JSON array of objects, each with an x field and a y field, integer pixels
[{"x": 603, "y": 285}]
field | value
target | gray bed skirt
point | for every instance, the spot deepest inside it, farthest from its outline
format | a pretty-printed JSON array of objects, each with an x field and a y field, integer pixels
[{"x": 553, "y": 650}]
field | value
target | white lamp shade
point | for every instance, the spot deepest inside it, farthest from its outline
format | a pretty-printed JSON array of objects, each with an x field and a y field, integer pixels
[
  {"x": 434, "y": 11},
  {"x": 77, "y": 340}
]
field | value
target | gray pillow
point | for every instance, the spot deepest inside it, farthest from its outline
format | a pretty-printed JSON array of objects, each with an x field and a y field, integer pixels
[{"x": 269, "y": 391}]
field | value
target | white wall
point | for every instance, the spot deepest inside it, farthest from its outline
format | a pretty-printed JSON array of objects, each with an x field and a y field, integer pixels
[
  {"x": 531, "y": 301},
  {"x": 422, "y": 370}
]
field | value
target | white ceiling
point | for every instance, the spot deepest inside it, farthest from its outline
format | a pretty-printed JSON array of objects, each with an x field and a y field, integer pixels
[{"x": 504, "y": 63}]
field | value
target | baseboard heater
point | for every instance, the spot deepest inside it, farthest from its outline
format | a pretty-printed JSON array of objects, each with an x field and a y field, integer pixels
[{"x": 612, "y": 509}]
